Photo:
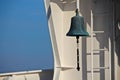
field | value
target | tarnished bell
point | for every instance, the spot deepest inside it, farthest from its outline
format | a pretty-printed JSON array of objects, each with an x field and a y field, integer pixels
[{"x": 77, "y": 26}]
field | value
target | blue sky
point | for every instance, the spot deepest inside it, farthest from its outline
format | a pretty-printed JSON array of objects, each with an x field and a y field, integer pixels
[{"x": 24, "y": 36}]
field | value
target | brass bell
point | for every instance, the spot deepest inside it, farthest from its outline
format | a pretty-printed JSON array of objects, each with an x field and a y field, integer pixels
[
  {"x": 77, "y": 29},
  {"x": 77, "y": 26}
]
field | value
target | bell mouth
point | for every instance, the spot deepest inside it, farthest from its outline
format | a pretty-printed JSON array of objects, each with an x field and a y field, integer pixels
[{"x": 74, "y": 35}]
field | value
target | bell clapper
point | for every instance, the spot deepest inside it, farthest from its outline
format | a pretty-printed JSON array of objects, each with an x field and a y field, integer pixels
[{"x": 78, "y": 67}]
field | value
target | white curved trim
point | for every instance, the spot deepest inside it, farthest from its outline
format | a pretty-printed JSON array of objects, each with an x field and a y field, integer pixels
[{"x": 53, "y": 40}]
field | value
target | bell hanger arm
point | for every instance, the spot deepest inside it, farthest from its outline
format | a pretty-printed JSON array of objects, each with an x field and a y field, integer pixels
[{"x": 77, "y": 4}]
